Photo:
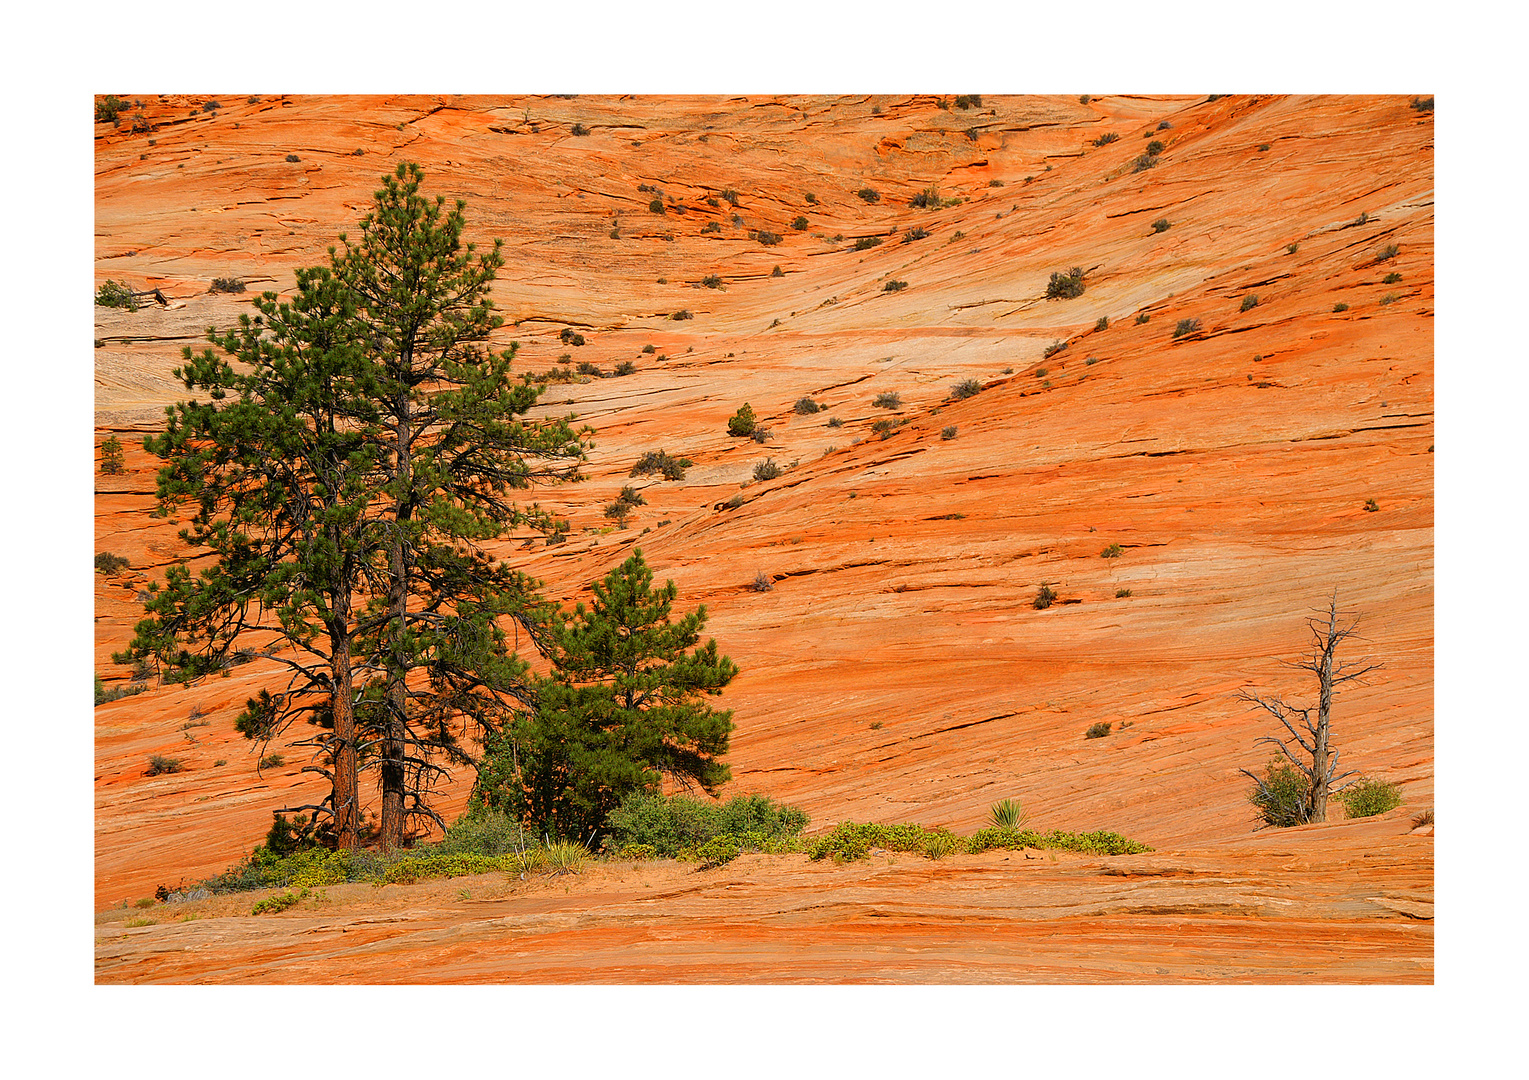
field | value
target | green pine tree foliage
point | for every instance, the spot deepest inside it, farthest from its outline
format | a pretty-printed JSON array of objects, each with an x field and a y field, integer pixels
[
  {"x": 741, "y": 422},
  {"x": 277, "y": 461},
  {"x": 455, "y": 447},
  {"x": 111, "y": 456},
  {"x": 624, "y": 708}
]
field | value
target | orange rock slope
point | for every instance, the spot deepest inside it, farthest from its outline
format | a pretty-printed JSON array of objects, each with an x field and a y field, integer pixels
[{"x": 1249, "y": 469}]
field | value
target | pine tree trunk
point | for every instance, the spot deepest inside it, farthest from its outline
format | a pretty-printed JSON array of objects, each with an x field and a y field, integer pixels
[
  {"x": 347, "y": 801},
  {"x": 395, "y": 740}
]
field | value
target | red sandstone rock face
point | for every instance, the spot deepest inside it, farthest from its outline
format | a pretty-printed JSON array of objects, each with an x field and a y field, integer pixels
[{"x": 1232, "y": 465}]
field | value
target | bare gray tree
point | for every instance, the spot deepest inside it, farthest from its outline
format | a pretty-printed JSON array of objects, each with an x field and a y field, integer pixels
[{"x": 1317, "y": 762}]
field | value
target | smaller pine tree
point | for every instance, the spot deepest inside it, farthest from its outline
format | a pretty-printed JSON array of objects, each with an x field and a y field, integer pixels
[
  {"x": 741, "y": 423},
  {"x": 111, "y": 457}
]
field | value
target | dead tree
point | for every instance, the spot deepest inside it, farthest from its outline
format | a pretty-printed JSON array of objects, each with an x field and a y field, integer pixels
[{"x": 1317, "y": 762}]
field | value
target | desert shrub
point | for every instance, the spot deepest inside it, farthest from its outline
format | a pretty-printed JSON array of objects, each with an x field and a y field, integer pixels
[
  {"x": 656, "y": 206},
  {"x": 964, "y": 389},
  {"x": 1391, "y": 279},
  {"x": 1161, "y": 225},
  {"x": 1425, "y": 818},
  {"x": 1371, "y": 505},
  {"x": 1339, "y": 308},
  {"x": 1051, "y": 350},
  {"x": 865, "y": 243},
  {"x": 1155, "y": 147},
  {"x": 768, "y": 239},
  {"x": 586, "y": 368},
  {"x": 663, "y": 463},
  {"x": 272, "y": 761},
  {"x": 682, "y": 315},
  {"x": 777, "y": 272},
  {"x": 565, "y": 857},
  {"x": 888, "y": 399},
  {"x": 1389, "y": 298},
  {"x": 766, "y": 470},
  {"x": 578, "y": 129},
  {"x": 741, "y": 422},
  {"x": 886, "y": 426},
  {"x": 1103, "y": 323},
  {"x": 870, "y": 195},
  {"x": 916, "y": 233},
  {"x": 1097, "y": 731},
  {"x": 1007, "y": 814},
  {"x": 227, "y": 285},
  {"x": 1249, "y": 302},
  {"x": 894, "y": 286},
  {"x": 711, "y": 226},
  {"x": 927, "y": 199},
  {"x": 649, "y": 349},
  {"x": 1111, "y": 552},
  {"x": 1281, "y": 797},
  {"x": 1366, "y": 798},
  {"x": 760, "y": 434},
  {"x": 1423, "y": 104},
  {"x": 1091, "y": 361},
  {"x": 1143, "y": 318},
  {"x": 730, "y": 196},
  {"x": 1121, "y": 594},
  {"x": 1144, "y": 162},
  {"x": 949, "y": 432},
  {"x": 1186, "y": 326},
  {"x": 625, "y": 367},
  {"x": 111, "y": 463},
  {"x": 275, "y": 905},
  {"x": 108, "y": 564},
  {"x": 116, "y": 294},
  {"x": 968, "y": 101},
  {"x": 1041, "y": 373},
  {"x": 160, "y": 765},
  {"x": 712, "y": 281},
  {"x": 1387, "y": 253},
  {"x": 718, "y": 851},
  {"x": 1044, "y": 598},
  {"x": 834, "y": 421},
  {"x": 1364, "y": 216},
  {"x": 1065, "y": 286},
  {"x": 618, "y": 512},
  {"x": 852, "y": 840},
  {"x": 569, "y": 336},
  {"x": 799, "y": 223},
  {"x": 762, "y": 582},
  {"x": 109, "y": 109},
  {"x": 293, "y": 158},
  {"x": 1107, "y": 138},
  {"x": 1291, "y": 249},
  {"x": 669, "y": 826},
  {"x": 805, "y": 406},
  {"x": 1093, "y": 843}
]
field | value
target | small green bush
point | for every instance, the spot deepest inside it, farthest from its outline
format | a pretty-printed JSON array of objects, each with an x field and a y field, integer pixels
[
  {"x": 712, "y": 281},
  {"x": 1107, "y": 138},
  {"x": 730, "y": 196},
  {"x": 966, "y": 388},
  {"x": 1161, "y": 225},
  {"x": 293, "y": 158},
  {"x": 1388, "y": 253},
  {"x": 811, "y": 198},
  {"x": 894, "y": 286},
  {"x": 760, "y": 434},
  {"x": 851, "y": 840},
  {"x": 656, "y": 206},
  {"x": 1281, "y": 797},
  {"x": 741, "y": 423},
  {"x": 1391, "y": 279},
  {"x": 870, "y": 195},
  {"x": 777, "y": 272},
  {"x": 566, "y": 857},
  {"x": 888, "y": 399},
  {"x": 927, "y": 199},
  {"x": 1097, "y": 731},
  {"x": 578, "y": 129},
  {"x": 1103, "y": 323},
  {"x": 661, "y": 462},
  {"x": 226, "y": 285},
  {"x": 1044, "y": 598},
  {"x": 1366, "y": 798},
  {"x": 1423, "y": 104},
  {"x": 1041, "y": 373},
  {"x": 625, "y": 367},
  {"x": 968, "y": 101},
  {"x": 682, "y": 315},
  {"x": 1389, "y": 298},
  {"x": 1371, "y": 505},
  {"x": 116, "y": 294},
  {"x": 1051, "y": 350},
  {"x": 805, "y": 406},
  {"x": 948, "y": 433},
  {"x": 1143, "y": 318},
  {"x": 834, "y": 421},
  {"x": 865, "y": 243},
  {"x": 586, "y": 368},
  {"x": 768, "y": 239},
  {"x": 718, "y": 851},
  {"x": 1249, "y": 302},
  {"x": 766, "y": 470},
  {"x": 1065, "y": 286},
  {"x": 1120, "y": 594},
  {"x": 915, "y": 233},
  {"x": 160, "y": 765},
  {"x": 109, "y": 564},
  {"x": 109, "y": 109},
  {"x": 1155, "y": 147},
  {"x": 799, "y": 223},
  {"x": 669, "y": 826},
  {"x": 709, "y": 227},
  {"x": 1339, "y": 308},
  {"x": 1094, "y": 843},
  {"x": 1186, "y": 326},
  {"x": 1111, "y": 552},
  {"x": 272, "y": 761}
]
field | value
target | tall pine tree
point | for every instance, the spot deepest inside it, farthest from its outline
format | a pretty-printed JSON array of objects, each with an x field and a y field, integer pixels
[{"x": 456, "y": 448}]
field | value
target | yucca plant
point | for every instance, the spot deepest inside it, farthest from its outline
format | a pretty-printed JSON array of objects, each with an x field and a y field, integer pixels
[
  {"x": 939, "y": 844},
  {"x": 1008, "y": 814},
  {"x": 566, "y": 857}
]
